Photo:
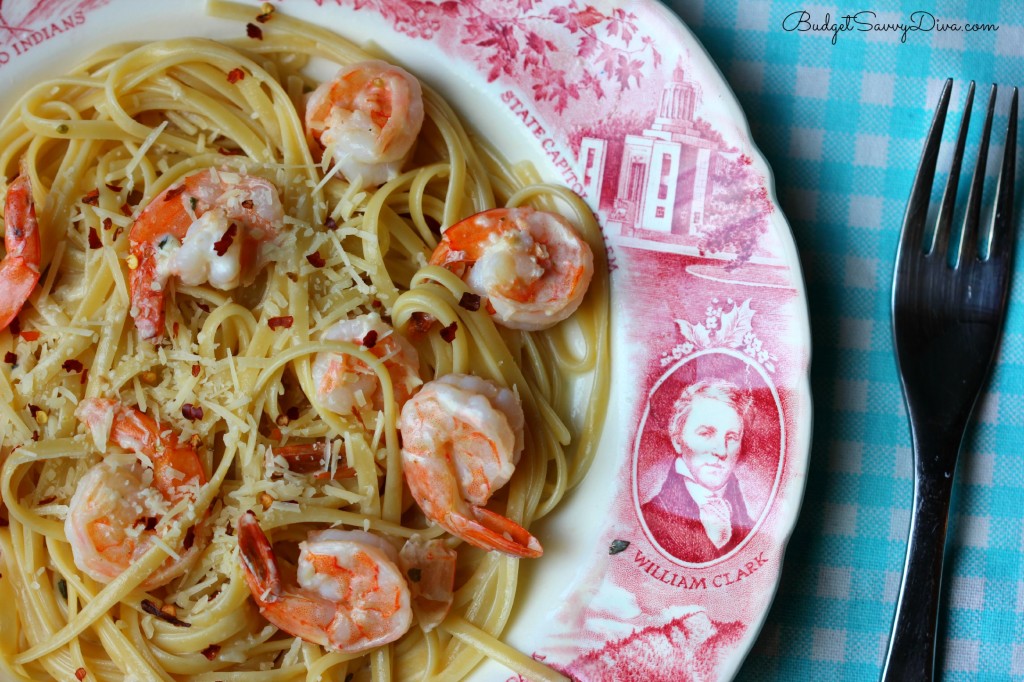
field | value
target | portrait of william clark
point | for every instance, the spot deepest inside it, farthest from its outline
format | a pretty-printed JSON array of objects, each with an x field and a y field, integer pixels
[{"x": 700, "y": 513}]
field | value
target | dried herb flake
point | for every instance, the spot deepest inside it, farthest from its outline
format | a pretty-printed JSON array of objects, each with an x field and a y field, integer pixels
[
  {"x": 153, "y": 610},
  {"x": 618, "y": 546}
]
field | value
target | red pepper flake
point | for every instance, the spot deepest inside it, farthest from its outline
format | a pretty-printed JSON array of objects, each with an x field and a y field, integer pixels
[
  {"x": 92, "y": 198},
  {"x": 370, "y": 340},
  {"x": 276, "y": 323},
  {"x": 247, "y": 203},
  {"x": 80, "y": 674},
  {"x": 126, "y": 210},
  {"x": 11, "y": 358},
  {"x": 48, "y": 499},
  {"x": 147, "y": 522},
  {"x": 85, "y": 377},
  {"x": 254, "y": 31},
  {"x": 235, "y": 75},
  {"x": 229, "y": 530},
  {"x": 470, "y": 301},
  {"x": 72, "y": 365},
  {"x": 421, "y": 322},
  {"x": 114, "y": 188},
  {"x": 292, "y": 413},
  {"x": 30, "y": 336},
  {"x": 154, "y": 610},
  {"x": 211, "y": 651},
  {"x": 192, "y": 412},
  {"x": 15, "y": 327},
  {"x": 173, "y": 192},
  {"x": 222, "y": 245},
  {"x": 267, "y": 13},
  {"x": 107, "y": 223},
  {"x": 202, "y": 306},
  {"x": 195, "y": 370},
  {"x": 33, "y": 409},
  {"x": 174, "y": 330},
  {"x": 190, "y": 538},
  {"x": 330, "y": 224},
  {"x": 316, "y": 260},
  {"x": 305, "y": 458},
  {"x": 448, "y": 333},
  {"x": 94, "y": 239}
]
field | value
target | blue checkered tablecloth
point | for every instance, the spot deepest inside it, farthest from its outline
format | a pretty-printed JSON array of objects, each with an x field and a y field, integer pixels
[{"x": 842, "y": 125}]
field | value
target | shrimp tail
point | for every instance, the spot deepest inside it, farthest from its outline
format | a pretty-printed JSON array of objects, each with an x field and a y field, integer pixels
[
  {"x": 490, "y": 530},
  {"x": 258, "y": 562},
  {"x": 19, "y": 270}
]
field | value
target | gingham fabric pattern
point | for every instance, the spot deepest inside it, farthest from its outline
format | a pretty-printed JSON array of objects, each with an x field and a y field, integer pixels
[{"x": 842, "y": 126}]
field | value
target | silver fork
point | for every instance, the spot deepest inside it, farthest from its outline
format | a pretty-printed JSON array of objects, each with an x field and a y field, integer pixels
[{"x": 947, "y": 322}]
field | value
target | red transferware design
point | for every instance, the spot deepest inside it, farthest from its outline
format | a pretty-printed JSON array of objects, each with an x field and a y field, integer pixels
[{"x": 702, "y": 461}]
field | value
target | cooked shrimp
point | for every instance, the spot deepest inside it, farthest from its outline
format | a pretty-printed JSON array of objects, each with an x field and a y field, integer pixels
[
  {"x": 347, "y": 592},
  {"x": 531, "y": 265},
  {"x": 430, "y": 567},
  {"x": 19, "y": 269},
  {"x": 345, "y": 383},
  {"x": 206, "y": 229},
  {"x": 461, "y": 439},
  {"x": 367, "y": 118},
  {"x": 118, "y": 510}
]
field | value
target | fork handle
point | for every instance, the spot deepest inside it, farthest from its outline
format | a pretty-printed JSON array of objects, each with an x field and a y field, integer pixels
[{"x": 911, "y": 653}]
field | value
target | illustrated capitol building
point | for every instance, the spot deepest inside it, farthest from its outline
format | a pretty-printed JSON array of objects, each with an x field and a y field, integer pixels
[{"x": 664, "y": 175}]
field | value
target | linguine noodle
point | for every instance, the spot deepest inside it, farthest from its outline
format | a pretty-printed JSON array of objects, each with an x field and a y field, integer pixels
[{"x": 234, "y": 371}]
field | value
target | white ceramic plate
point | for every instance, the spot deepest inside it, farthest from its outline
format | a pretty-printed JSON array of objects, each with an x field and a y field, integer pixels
[{"x": 617, "y": 100}]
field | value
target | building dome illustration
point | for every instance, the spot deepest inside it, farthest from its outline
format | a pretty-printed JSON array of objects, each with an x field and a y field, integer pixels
[{"x": 664, "y": 175}]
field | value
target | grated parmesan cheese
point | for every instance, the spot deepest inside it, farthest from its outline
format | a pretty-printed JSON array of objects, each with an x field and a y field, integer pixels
[{"x": 140, "y": 153}]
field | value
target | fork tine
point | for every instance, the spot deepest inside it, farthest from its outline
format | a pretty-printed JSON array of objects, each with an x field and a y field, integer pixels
[
  {"x": 945, "y": 218},
  {"x": 1001, "y": 242},
  {"x": 920, "y": 191},
  {"x": 972, "y": 216}
]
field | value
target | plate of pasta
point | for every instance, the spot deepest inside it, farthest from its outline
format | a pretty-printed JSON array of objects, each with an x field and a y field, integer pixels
[{"x": 378, "y": 340}]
